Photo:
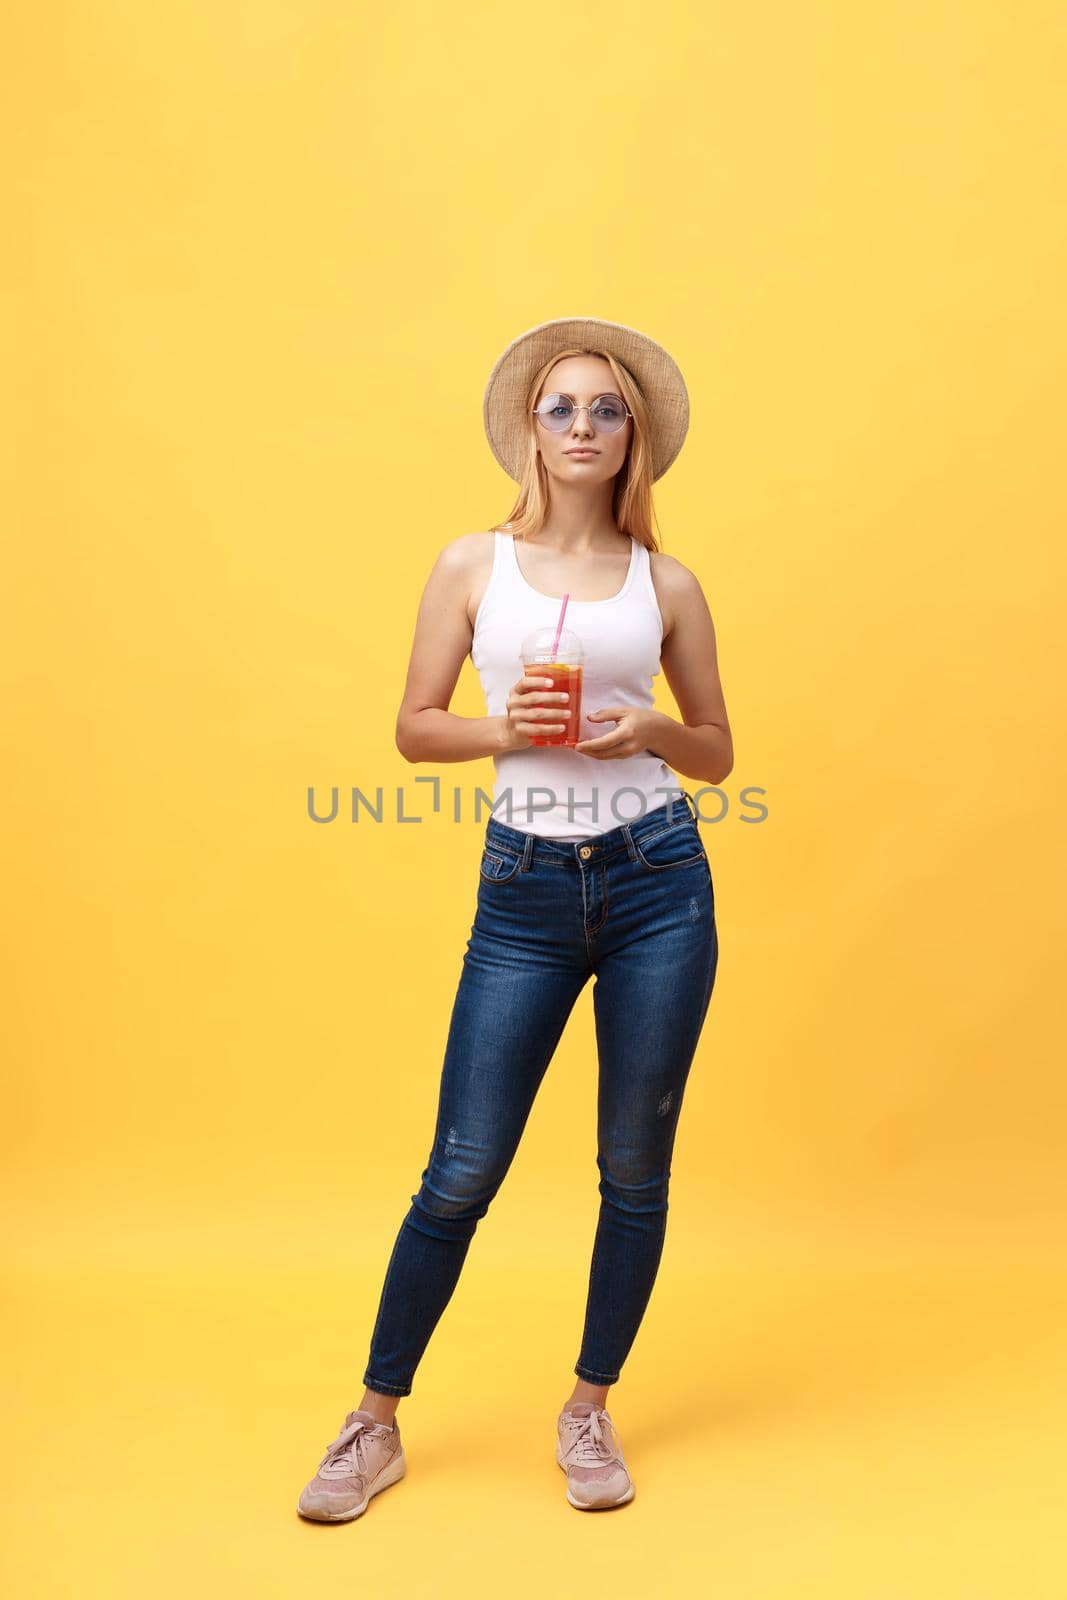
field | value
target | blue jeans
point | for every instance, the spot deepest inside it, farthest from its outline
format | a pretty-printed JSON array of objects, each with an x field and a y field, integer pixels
[{"x": 635, "y": 907}]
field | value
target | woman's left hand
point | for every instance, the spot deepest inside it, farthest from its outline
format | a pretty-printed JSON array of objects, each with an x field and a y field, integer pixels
[{"x": 631, "y": 735}]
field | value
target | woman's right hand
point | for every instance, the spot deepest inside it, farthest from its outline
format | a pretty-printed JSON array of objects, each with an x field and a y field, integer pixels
[{"x": 528, "y": 714}]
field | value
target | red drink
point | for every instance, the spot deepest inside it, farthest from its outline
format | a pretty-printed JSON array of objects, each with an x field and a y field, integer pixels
[{"x": 567, "y": 679}]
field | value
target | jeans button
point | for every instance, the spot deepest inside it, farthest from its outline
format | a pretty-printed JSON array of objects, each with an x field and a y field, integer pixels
[{"x": 585, "y": 852}]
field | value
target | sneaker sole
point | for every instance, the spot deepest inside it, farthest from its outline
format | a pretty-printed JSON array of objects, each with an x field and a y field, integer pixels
[
  {"x": 391, "y": 1474},
  {"x": 602, "y": 1505}
]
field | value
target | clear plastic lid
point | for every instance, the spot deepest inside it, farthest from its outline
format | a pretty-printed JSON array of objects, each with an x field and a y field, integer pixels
[{"x": 537, "y": 646}]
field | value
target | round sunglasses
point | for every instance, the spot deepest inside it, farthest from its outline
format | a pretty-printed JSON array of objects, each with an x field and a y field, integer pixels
[{"x": 607, "y": 412}]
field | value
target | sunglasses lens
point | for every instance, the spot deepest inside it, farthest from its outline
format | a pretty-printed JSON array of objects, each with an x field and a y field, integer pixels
[
  {"x": 555, "y": 412},
  {"x": 608, "y": 414}
]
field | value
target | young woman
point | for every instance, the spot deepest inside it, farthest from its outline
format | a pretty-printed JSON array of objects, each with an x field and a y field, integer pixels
[{"x": 598, "y": 872}]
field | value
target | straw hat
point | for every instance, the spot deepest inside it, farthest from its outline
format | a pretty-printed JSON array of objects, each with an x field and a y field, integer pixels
[{"x": 656, "y": 373}]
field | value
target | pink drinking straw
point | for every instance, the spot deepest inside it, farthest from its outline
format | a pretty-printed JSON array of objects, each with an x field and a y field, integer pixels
[{"x": 559, "y": 625}]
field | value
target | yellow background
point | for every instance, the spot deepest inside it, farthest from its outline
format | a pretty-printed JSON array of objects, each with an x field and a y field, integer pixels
[{"x": 260, "y": 260}]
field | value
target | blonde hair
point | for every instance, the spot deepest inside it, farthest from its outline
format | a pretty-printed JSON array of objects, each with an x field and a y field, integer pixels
[{"x": 631, "y": 504}]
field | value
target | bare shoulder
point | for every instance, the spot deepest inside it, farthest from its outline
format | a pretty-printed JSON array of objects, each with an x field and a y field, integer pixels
[
  {"x": 459, "y": 576},
  {"x": 468, "y": 560},
  {"x": 461, "y": 555},
  {"x": 676, "y": 587}
]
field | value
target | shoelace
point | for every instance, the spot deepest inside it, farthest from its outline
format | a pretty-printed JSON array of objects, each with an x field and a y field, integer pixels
[
  {"x": 590, "y": 1440},
  {"x": 348, "y": 1452}
]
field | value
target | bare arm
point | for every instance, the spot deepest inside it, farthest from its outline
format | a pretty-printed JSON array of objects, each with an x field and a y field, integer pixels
[
  {"x": 425, "y": 728},
  {"x": 701, "y": 745}
]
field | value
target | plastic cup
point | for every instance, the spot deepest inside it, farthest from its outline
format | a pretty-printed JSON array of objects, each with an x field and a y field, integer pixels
[{"x": 563, "y": 664}]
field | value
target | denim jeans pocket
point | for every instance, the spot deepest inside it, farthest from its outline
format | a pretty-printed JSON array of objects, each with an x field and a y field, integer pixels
[
  {"x": 678, "y": 845},
  {"x": 497, "y": 865}
]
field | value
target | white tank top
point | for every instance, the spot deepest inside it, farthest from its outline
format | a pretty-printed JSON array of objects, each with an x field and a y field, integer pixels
[{"x": 557, "y": 792}]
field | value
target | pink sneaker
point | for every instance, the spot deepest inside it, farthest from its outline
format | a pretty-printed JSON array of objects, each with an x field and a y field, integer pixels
[
  {"x": 366, "y": 1456},
  {"x": 591, "y": 1455}
]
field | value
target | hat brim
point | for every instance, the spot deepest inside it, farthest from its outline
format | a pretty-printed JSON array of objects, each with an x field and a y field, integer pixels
[{"x": 655, "y": 371}]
